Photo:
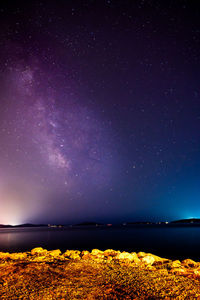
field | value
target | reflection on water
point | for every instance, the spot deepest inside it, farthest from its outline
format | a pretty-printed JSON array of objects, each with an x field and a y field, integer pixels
[{"x": 172, "y": 242}]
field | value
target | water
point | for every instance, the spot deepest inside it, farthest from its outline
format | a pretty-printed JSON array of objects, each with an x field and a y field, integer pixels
[{"x": 175, "y": 242}]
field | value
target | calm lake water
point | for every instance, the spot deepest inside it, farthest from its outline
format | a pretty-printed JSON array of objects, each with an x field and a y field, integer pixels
[{"x": 176, "y": 242}]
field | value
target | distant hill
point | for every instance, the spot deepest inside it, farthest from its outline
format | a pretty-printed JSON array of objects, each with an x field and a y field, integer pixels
[
  {"x": 187, "y": 221},
  {"x": 5, "y": 226},
  {"x": 139, "y": 223},
  {"x": 88, "y": 224},
  {"x": 22, "y": 225}
]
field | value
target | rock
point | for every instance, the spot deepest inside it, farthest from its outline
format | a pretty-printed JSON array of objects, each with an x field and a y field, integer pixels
[
  {"x": 39, "y": 251},
  {"x": 4, "y": 255},
  {"x": 178, "y": 271},
  {"x": 135, "y": 257},
  {"x": 157, "y": 259},
  {"x": 85, "y": 252},
  {"x": 16, "y": 256},
  {"x": 109, "y": 259},
  {"x": 110, "y": 252},
  {"x": 131, "y": 257},
  {"x": 197, "y": 272},
  {"x": 42, "y": 258},
  {"x": 175, "y": 264},
  {"x": 150, "y": 267},
  {"x": 148, "y": 259},
  {"x": 13, "y": 256},
  {"x": 189, "y": 263},
  {"x": 73, "y": 254},
  {"x": 160, "y": 259},
  {"x": 97, "y": 252},
  {"x": 85, "y": 255},
  {"x": 97, "y": 255},
  {"x": 141, "y": 254},
  {"x": 55, "y": 253}
]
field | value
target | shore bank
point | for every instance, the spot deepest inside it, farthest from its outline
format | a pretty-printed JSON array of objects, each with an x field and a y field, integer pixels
[{"x": 41, "y": 274}]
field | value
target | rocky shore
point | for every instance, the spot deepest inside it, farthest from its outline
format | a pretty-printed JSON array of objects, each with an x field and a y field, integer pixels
[{"x": 109, "y": 274}]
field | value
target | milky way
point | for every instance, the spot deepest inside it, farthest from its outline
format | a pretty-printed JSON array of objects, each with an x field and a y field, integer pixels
[{"x": 60, "y": 149}]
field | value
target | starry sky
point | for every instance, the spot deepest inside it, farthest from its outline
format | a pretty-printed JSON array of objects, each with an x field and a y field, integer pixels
[{"x": 99, "y": 111}]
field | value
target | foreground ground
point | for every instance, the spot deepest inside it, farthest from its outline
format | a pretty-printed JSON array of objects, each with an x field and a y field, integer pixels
[{"x": 42, "y": 274}]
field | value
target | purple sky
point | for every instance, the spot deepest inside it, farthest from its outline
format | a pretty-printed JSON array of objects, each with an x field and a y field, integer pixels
[{"x": 99, "y": 111}]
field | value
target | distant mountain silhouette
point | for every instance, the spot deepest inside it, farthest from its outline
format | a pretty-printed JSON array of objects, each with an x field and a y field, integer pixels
[
  {"x": 182, "y": 221},
  {"x": 139, "y": 223},
  {"x": 88, "y": 224},
  {"x": 22, "y": 225},
  {"x": 190, "y": 221}
]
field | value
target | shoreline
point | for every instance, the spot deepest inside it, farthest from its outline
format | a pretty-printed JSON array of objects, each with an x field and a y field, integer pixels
[{"x": 110, "y": 274}]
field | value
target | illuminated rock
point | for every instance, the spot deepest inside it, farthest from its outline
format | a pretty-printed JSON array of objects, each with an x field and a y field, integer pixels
[
  {"x": 39, "y": 251},
  {"x": 55, "y": 253},
  {"x": 197, "y": 272},
  {"x": 150, "y": 267},
  {"x": 73, "y": 254},
  {"x": 158, "y": 258},
  {"x": 97, "y": 252},
  {"x": 175, "y": 264},
  {"x": 97, "y": 255},
  {"x": 141, "y": 254},
  {"x": 13, "y": 256},
  {"x": 135, "y": 256},
  {"x": 16, "y": 256},
  {"x": 131, "y": 257},
  {"x": 110, "y": 252},
  {"x": 189, "y": 262},
  {"x": 85, "y": 252},
  {"x": 85, "y": 255},
  {"x": 148, "y": 259},
  {"x": 4, "y": 255},
  {"x": 178, "y": 271}
]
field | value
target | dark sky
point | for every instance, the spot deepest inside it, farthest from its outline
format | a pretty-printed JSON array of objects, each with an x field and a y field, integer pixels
[{"x": 99, "y": 111}]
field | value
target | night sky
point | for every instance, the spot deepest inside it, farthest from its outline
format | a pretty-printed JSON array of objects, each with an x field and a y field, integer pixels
[{"x": 99, "y": 111}]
